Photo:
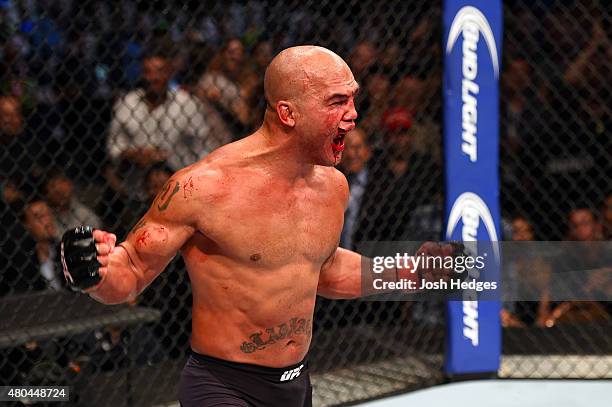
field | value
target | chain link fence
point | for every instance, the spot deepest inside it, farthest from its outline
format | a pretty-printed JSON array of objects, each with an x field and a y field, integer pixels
[
  {"x": 556, "y": 175},
  {"x": 101, "y": 101}
]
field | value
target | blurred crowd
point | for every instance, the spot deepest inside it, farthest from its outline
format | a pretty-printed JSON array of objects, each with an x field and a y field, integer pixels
[
  {"x": 556, "y": 146},
  {"x": 101, "y": 101},
  {"x": 555, "y": 113}
]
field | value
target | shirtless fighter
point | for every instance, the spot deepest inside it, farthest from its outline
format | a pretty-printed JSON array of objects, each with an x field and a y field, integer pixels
[{"x": 258, "y": 223}]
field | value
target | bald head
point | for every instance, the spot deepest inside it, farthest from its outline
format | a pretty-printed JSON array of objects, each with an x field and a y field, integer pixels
[
  {"x": 310, "y": 93},
  {"x": 297, "y": 71}
]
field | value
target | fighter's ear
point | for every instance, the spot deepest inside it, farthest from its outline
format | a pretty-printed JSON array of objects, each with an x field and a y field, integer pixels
[{"x": 286, "y": 112}]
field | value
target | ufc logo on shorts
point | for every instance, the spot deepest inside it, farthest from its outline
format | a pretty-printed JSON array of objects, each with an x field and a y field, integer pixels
[{"x": 291, "y": 374}]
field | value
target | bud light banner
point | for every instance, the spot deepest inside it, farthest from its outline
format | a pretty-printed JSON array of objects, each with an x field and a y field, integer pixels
[{"x": 472, "y": 47}]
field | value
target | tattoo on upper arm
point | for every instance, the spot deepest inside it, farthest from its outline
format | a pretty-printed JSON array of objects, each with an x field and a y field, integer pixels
[
  {"x": 164, "y": 198},
  {"x": 139, "y": 225},
  {"x": 292, "y": 328}
]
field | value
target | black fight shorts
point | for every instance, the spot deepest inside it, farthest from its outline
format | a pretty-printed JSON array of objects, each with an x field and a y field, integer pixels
[{"x": 207, "y": 381}]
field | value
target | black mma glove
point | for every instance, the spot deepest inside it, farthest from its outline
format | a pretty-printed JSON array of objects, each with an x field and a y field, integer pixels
[
  {"x": 79, "y": 258},
  {"x": 454, "y": 249}
]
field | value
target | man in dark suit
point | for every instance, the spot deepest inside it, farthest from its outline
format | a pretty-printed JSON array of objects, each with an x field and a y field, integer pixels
[
  {"x": 400, "y": 179},
  {"x": 355, "y": 161}
]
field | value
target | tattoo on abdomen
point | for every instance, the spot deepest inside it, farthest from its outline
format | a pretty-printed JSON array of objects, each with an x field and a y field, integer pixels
[{"x": 259, "y": 340}]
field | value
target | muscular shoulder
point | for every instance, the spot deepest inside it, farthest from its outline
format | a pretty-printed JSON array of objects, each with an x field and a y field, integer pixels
[
  {"x": 335, "y": 182},
  {"x": 202, "y": 182},
  {"x": 228, "y": 160},
  {"x": 188, "y": 194}
]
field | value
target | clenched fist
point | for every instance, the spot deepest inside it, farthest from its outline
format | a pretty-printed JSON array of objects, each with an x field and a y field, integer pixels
[
  {"x": 85, "y": 256},
  {"x": 435, "y": 269}
]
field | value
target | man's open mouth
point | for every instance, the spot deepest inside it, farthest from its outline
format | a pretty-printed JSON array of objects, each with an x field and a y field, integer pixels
[{"x": 338, "y": 142}]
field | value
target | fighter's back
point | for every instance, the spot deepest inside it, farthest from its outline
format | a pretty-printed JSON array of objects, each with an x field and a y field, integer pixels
[{"x": 255, "y": 258}]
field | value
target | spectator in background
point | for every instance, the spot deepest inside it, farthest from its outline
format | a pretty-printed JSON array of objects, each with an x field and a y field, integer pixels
[
  {"x": 150, "y": 125},
  {"x": 517, "y": 110},
  {"x": 586, "y": 77},
  {"x": 522, "y": 230},
  {"x": 561, "y": 36},
  {"x": 11, "y": 128},
  {"x": 77, "y": 121},
  {"x": 14, "y": 72},
  {"x": 424, "y": 44},
  {"x": 192, "y": 60},
  {"x": 191, "y": 65},
  {"x": 583, "y": 225},
  {"x": 22, "y": 158},
  {"x": 528, "y": 277},
  {"x": 39, "y": 222},
  {"x": 590, "y": 66},
  {"x": 518, "y": 90},
  {"x": 155, "y": 123},
  {"x": 26, "y": 265},
  {"x": 405, "y": 157},
  {"x": 403, "y": 179},
  {"x": 393, "y": 58},
  {"x": 354, "y": 164},
  {"x": 418, "y": 97},
  {"x": 414, "y": 95},
  {"x": 361, "y": 58},
  {"x": 221, "y": 85},
  {"x": 410, "y": 93},
  {"x": 261, "y": 56},
  {"x": 374, "y": 100},
  {"x": 566, "y": 156},
  {"x": 563, "y": 159},
  {"x": 68, "y": 211}
]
